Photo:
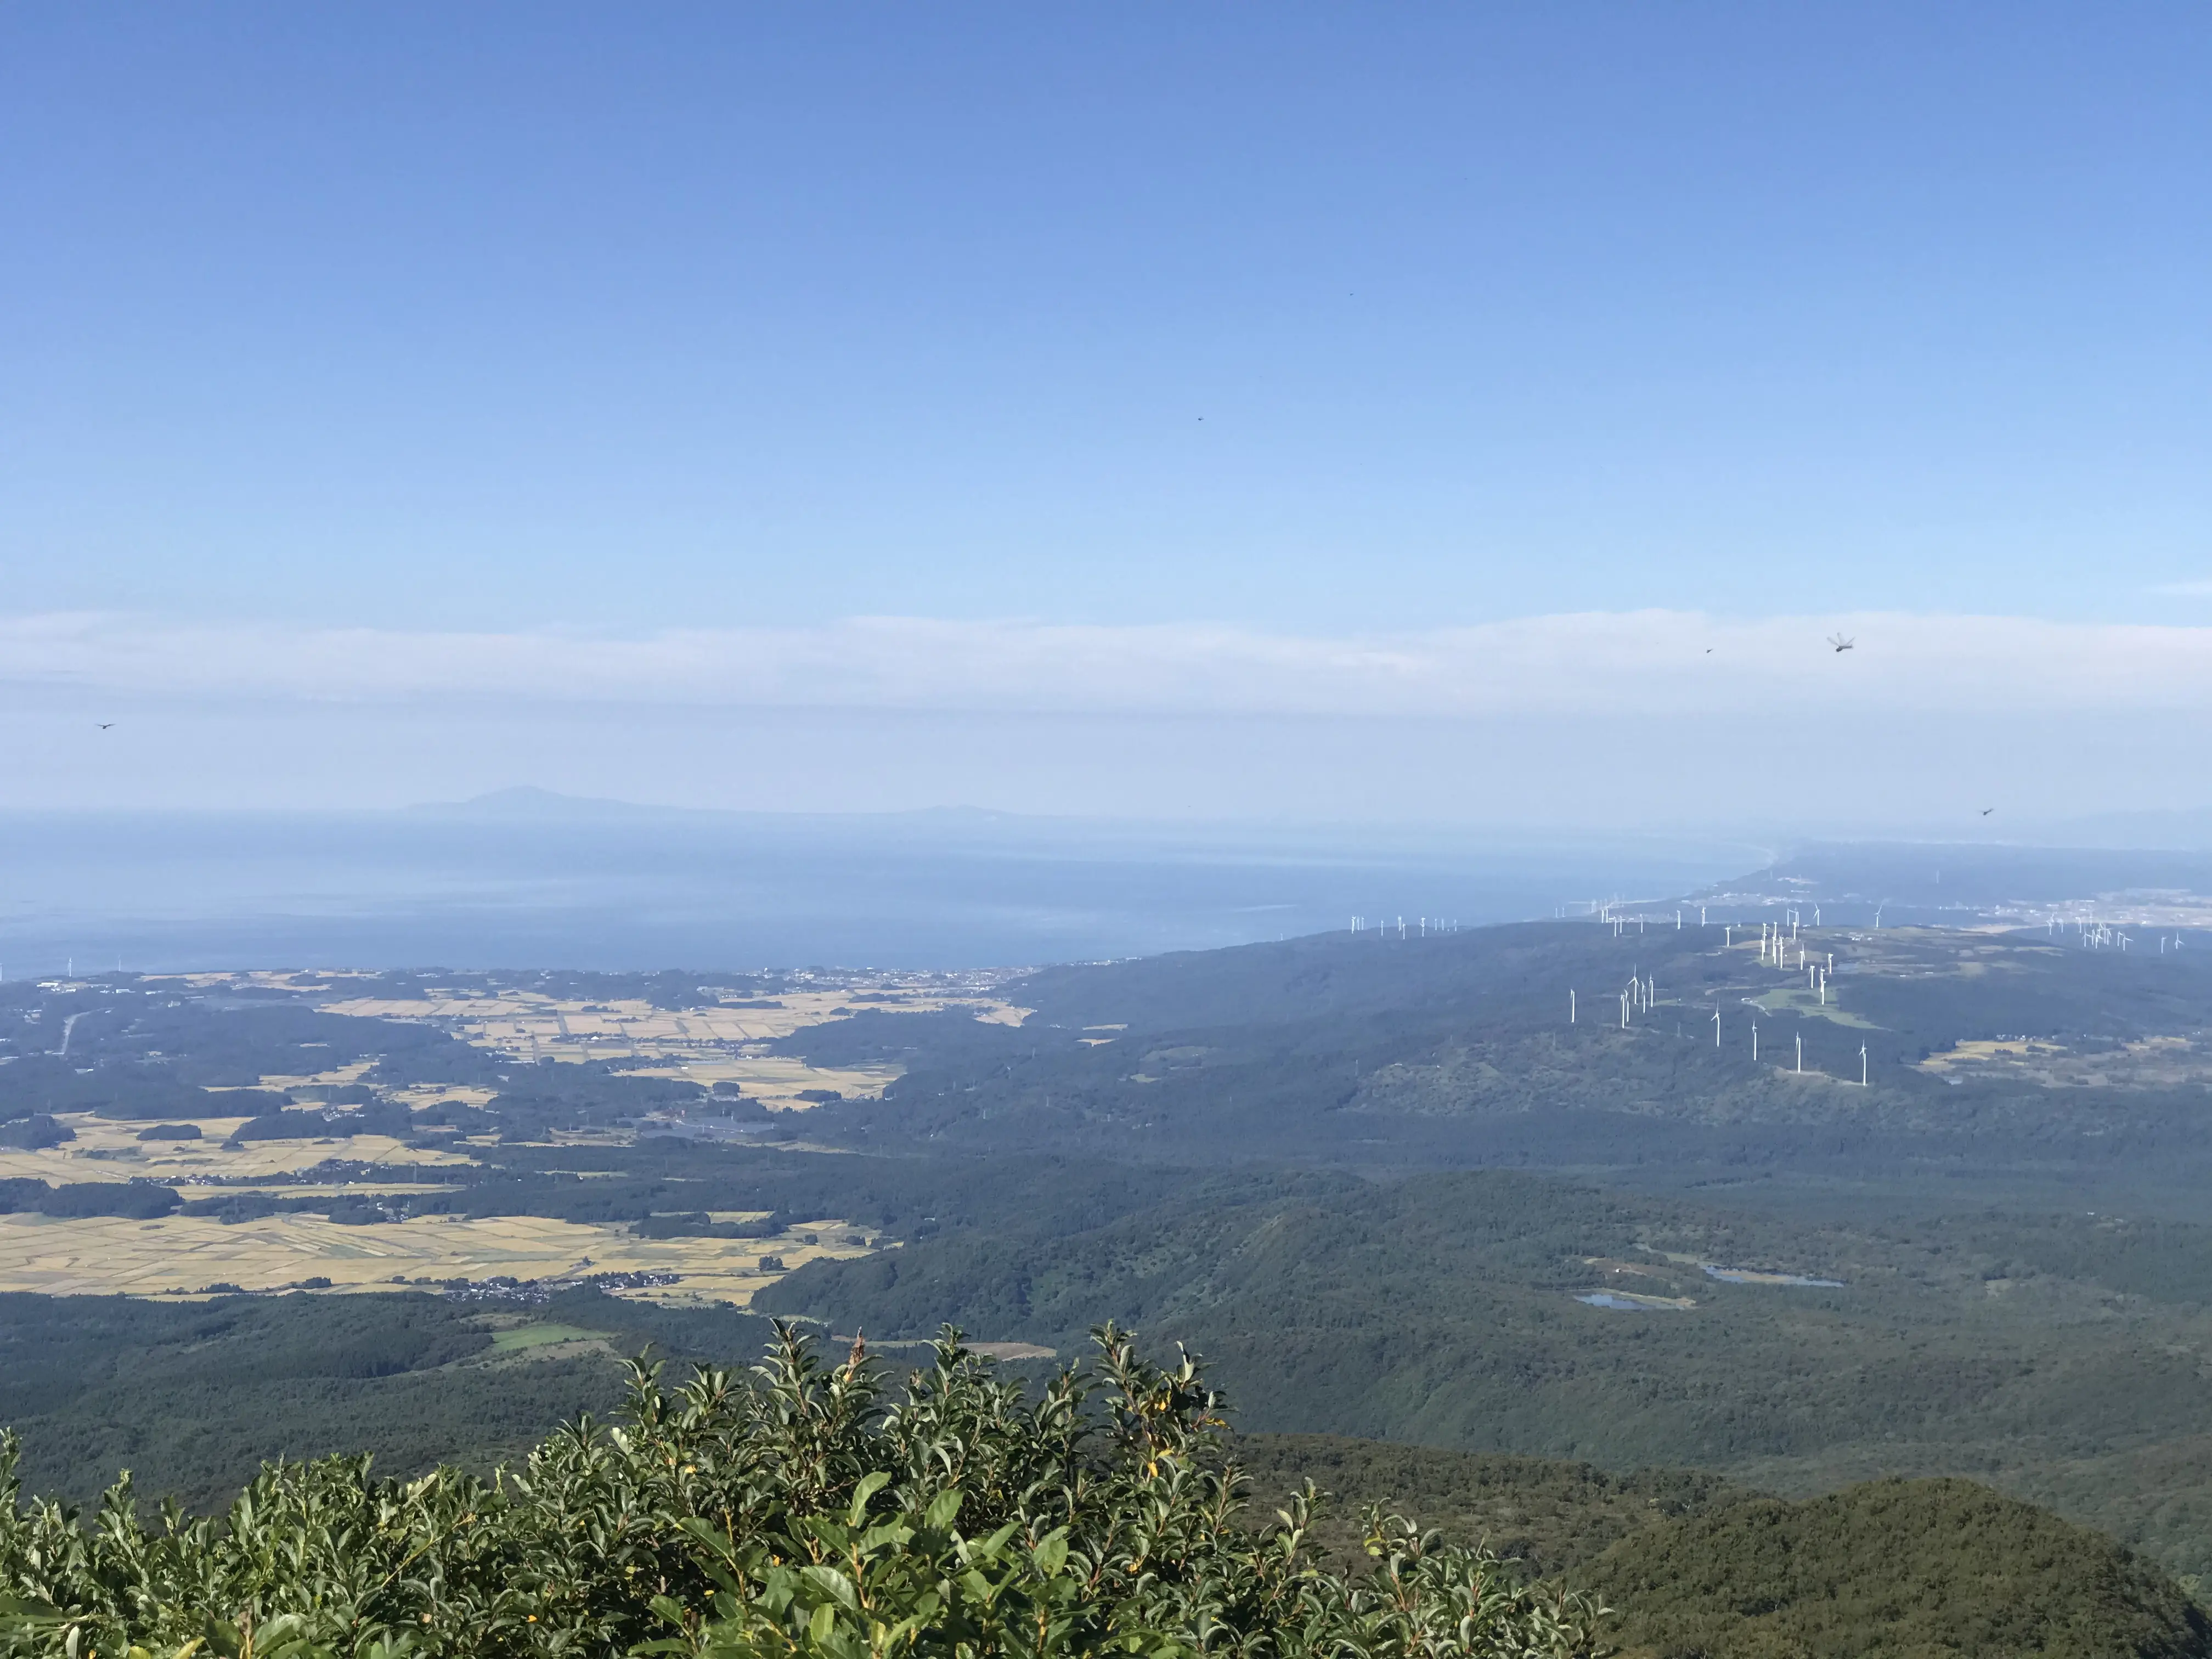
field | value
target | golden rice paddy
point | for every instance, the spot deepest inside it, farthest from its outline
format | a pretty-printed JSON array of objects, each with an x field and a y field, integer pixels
[
  {"x": 107, "y": 1149},
  {"x": 698, "y": 1045},
  {"x": 183, "y": 1255}
]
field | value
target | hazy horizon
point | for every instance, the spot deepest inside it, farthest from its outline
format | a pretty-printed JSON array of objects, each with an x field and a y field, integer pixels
[
  {"x": 1459, "y": 416},
  {"x": 576, "y": 884}
]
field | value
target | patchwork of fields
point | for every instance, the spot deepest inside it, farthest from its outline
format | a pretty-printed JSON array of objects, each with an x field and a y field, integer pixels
[
  {"x": 704, "y": 1045},
  {"x": 192, "y": 1255},
  {"x": 188, "y": 1255},
  {"x": 105, "y": 1150}
]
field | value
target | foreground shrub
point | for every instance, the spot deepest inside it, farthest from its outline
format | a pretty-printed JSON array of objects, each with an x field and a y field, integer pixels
[{"x": 801, "y": 1510}]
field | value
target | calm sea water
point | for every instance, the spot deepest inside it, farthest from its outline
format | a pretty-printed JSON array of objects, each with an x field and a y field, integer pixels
[{"x": 641, "y": 890}]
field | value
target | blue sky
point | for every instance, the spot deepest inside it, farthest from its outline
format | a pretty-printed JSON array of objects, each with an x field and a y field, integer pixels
[
  {"x": 1305, "y": 321},
  {"x": 1297, "y": 316}
]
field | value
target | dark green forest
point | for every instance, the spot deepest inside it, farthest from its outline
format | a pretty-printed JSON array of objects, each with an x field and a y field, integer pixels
[
  {"x": 1441, "y": 1310},
  {"x": 1372, "y": 1181},
  {"x": 1456, "y": 1050},
  {"x": 1092, "y": 1512},
  {"x": 192, "y": 1397},
  {"x": 1695, "y": 1565}
]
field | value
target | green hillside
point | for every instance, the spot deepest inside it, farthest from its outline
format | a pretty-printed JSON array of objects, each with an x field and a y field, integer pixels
[
  {"x": 1443, "y": 1310},
  {"x": 1546, "y": 1515},
  {"x": 1893, "y": 1570},
  {"x": 192, "y": 1397},
  {"x": 1456, "y": 1050},
  {"x": 1696, "y": 1568},
  {"x": 800, "y": 1511},
  {"x": 813, "y": 1508}
]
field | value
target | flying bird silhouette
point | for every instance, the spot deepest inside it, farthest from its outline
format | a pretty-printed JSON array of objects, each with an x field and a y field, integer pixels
[
  {"x": 1986, "y": 810},
  {"x": 104, "y": 725},
  {"x": 1841, "y": 643}
]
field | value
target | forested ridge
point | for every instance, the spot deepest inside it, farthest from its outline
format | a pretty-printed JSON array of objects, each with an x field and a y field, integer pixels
[
  {"x": 801, "y": 1510},
  {"x": 1288, "y": 1158},
  {"x": 1457, "y": 1050},
  {"x": 820, "y": 1508}
]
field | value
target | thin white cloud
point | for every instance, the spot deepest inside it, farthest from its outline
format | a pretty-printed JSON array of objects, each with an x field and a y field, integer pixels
[{"x": 1636, "y": 664}]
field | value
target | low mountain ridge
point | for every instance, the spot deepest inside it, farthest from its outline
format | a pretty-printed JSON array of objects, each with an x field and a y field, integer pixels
[{"x": 1890, "y": 1570}]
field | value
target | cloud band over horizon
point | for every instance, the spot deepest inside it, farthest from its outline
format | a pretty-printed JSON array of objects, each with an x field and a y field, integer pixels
[{"x": 1585, "y": 663}]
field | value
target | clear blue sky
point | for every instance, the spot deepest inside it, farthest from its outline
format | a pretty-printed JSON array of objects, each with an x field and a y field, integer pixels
[{"x": 1309, "y": 318}]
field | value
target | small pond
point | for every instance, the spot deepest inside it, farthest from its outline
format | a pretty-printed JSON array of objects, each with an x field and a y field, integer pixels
[{"x": 1752, "y": 1276}]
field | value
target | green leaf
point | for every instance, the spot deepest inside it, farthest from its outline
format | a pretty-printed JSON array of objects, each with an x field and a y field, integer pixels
[
  {"x": 869, "y": 1487},
  {"x": 836, "y": 1585},
  {"x": 943, "y": 1509},
  {"x": 711, "y": 1536}
]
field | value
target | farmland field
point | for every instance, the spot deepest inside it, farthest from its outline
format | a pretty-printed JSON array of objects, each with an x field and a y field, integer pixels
[
  {"x": 705, "y": 1045},
  {"x": 185, "y": 1256},
  {"x": 105, "y": 1150}
]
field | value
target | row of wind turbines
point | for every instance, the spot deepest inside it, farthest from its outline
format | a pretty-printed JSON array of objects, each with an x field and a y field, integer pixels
[
  {"x": 2093, "y": 935},
  {"x": 1419, "y": 927},
  {"x": 1641, "y": 995}
]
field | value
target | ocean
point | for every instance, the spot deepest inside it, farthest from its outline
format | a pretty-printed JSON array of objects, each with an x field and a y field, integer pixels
[{"x": 539, "y": 882}]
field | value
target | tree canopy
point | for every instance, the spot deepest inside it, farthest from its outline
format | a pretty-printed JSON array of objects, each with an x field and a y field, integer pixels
[{"x": 803, "y": 1510}]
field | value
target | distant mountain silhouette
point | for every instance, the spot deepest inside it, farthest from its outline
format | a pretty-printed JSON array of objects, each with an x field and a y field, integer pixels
[
  {"x": 525, "y": 801},
  {"x": 528, "y": 803}
]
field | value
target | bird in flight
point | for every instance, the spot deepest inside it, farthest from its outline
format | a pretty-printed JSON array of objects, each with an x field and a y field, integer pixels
[
  {"x": 1986, "y": 810},
  {"x": 1841, "y": 643},
  {"x": 104, "y": 725}
]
